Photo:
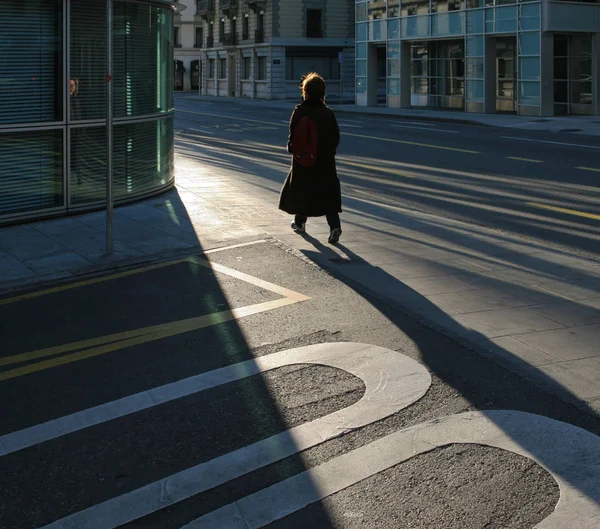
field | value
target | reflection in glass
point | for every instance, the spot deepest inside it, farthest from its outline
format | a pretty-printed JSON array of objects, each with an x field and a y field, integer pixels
[{"x": 376, "y": 9}]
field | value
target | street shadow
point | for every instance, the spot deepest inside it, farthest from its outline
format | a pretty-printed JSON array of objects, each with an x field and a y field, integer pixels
[
  {"x": 466, "y": 369},
  {"x": 104, "y": 337}
]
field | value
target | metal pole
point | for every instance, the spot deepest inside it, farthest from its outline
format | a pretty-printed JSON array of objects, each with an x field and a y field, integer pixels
[{"x": 109, "y": 127}]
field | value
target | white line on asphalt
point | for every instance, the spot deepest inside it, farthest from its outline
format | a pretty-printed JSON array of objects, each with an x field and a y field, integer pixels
[
  {"x": 348, "y": 125},
  {"x": 573, "y": 460},
  {"x": 552, "y": 142},
  {"x": 421, "y": 123},
  {"x": 349, "y": 121},
  {"x": 392, "y": 381},
  {"x": 423, "y": 128}
]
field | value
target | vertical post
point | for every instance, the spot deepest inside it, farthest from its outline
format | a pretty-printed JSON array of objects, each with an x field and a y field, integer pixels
[{"x": 109, "y": 127}]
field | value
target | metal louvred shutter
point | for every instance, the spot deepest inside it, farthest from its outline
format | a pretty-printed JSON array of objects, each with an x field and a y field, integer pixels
[
  {"x": 31, "y": 171},
  {"x": 88, "y": 59},
  {"x": 30, "y": 61}
]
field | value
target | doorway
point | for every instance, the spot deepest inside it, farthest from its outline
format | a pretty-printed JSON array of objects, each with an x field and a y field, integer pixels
[
  {"x": 196, "y": 75},
  {"x": 506, "y": 74},
  {"x": 232, "y": 76}
]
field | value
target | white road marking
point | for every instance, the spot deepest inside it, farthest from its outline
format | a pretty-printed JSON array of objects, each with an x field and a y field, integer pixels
[
  {"x": 395, "y": 125},
  {"x": 349, "y": 121},
  {"x": 422, "y": 123},
  {"x": 392, "y": 382},
  {"x": 348, "y": 125},
  {"x": 552, "y": 142},
  {"x": 573, "y": 460}
]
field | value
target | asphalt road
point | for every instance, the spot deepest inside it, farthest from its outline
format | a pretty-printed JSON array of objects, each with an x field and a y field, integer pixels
[
  {"x": 141, "y": 399},
  {"x": 536, "y": 184}
]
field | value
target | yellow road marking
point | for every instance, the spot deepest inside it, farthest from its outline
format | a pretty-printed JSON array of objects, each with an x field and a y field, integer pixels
[
  {"x": 589, "y": 169},
  {"x": 105, "y": 344},
  {"x": 524, "y": 159},
  {"x": 565, "y": 210},
  {"x": 417, "y": 144},
  {"x": 87, "y": 282}
]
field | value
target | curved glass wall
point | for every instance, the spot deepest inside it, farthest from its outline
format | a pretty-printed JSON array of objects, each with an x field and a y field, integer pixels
[{"x": 53, "y": 104}]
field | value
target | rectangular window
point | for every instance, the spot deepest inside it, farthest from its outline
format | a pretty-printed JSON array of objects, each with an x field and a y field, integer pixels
[
  {"x": 199, "y": 38},
  {"x": 262, "y": 68},
  {"x": 297, "y": 67},
  {"x": 211, "y": 68},
  {"x": 246, "y": 28},
  {"x": 221, "y": 30},
  {"x": 31, "y": 85},
  {"x": 176, "y": 37},
  {"x": 222, "y": 68},
  {"x": 313, "y": 23},
  {"x": 246, "y": 67}
]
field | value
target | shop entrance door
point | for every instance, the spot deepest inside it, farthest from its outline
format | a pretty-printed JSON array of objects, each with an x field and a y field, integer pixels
[{"x": 506, "y": 74}]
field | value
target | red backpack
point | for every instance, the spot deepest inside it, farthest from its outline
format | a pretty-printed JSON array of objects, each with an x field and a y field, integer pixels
[{"x": 304, "y": 144}]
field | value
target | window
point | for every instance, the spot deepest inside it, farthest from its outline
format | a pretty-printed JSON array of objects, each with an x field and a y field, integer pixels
[
  {"x": 221, "y": 29},
  {"x": 30, "y": 41},
  {"x": 211, "y": 68},
  {"x": 199, "y": 38},
  {"x": 262, "y": 68},
  {"x": 222, "y": 68},
  {"x": 313, "y": 23},
  {"x": 246, "y": 28},
  {"x": 176, "y": 37},
  {"x": 297, "y": 67},
  {"x": 246, "y": 68}
]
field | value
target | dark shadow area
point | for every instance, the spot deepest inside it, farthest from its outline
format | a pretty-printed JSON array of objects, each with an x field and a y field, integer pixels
[{"x": 110, "y": 336}]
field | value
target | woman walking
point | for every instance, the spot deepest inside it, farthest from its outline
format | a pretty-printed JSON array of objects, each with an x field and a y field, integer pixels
[{"x": 312, "y": 187}]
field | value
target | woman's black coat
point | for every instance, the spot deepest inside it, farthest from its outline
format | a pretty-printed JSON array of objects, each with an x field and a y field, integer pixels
[{"x": 314, "y": 191}]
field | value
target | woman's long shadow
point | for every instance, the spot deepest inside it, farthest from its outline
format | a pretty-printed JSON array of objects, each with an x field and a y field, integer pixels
[{"x": 482, "y": 372}]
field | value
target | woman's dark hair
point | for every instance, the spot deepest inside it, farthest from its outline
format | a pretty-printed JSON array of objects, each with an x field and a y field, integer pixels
[{"x": 313, "y": 87}]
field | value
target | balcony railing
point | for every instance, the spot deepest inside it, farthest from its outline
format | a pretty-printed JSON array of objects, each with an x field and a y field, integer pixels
[
  {"x": 228, "y": 7},
  {"x": 259, "y": 36},
  {"x": 230, "y": 39}
]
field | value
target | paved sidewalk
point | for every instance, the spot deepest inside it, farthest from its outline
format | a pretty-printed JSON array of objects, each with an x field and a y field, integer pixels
[{"x": 585, "y": 125}]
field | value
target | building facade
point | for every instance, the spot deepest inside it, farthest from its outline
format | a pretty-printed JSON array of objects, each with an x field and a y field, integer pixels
[
  {"x": 535, "y": 58},
  {"x": 262, "y": 48},
  {"x": 53, "y": 112}
]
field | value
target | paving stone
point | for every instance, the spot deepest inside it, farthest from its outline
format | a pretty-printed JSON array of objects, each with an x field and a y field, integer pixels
[
  {"x": 496, "y": 323},
  {"x": 11, "y": 268},
  {"x": 582, "y": 377},
  {"x": 568, "y": 343},
  {"x": 517, "y": 352},
  {"x": 571, "y": 313},
  {"x": 57, "y": 262}
]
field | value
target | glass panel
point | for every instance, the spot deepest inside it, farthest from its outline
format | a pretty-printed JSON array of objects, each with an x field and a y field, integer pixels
[
  {"x": 393, "y": 50},
  {"x": 580, "y": 93},
  {"x": 376, "y": 9},
  {"x": 361, "y": 68},
  {"x": 31, "y": 61},
  {"x": 474, "y": 46},
  {"x": 361, "y": 51},
  {"x": 393, "y": 87},
  {"x": 415, "y": 26},
  {"x": 414, "y": 7},
  {"x": 394, "y": 29},
  {"x": 561, "y": 46},
  {"x": 474, "y": 90},
  {"x": 530, "y": 10},
  {"x": 361, "y": 31},
  {"x": 377, "y": 30},
  {"x": 393, "y": 69},
  {"x": 142, "y": 64},
  {"x": 561, "y": 68},
  {"x": 31, "y": 171},
  {"x": 472, "y": 4},
  {"x": 561, "y": 92},
  {"x": 475, "y": 21},
  {"x": 475, "y": 68},
  {"x": 529, "y": 93},
  {"x": 420, "y": 86},
  {"x": 88, "y": 59},
  {"x": 361, "y": 12},
  {"x": 529, "y": 68},
  {"x": 361, "y": 85},
  {"x": 393, "y": 8},
  {"x": 529, "y": 43},
  {"x": 506, "y": 18},
  {"x": 447, "y": 24},
  {"x": 143, "y": 160}
]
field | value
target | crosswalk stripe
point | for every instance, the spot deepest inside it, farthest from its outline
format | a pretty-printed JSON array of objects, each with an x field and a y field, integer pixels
[{"x": 392, "y": 382}]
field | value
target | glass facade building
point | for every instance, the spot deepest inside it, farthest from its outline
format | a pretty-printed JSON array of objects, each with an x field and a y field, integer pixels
[
  {"x": 53, "y": 65},
  {"x": 536, "y": 58}
]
